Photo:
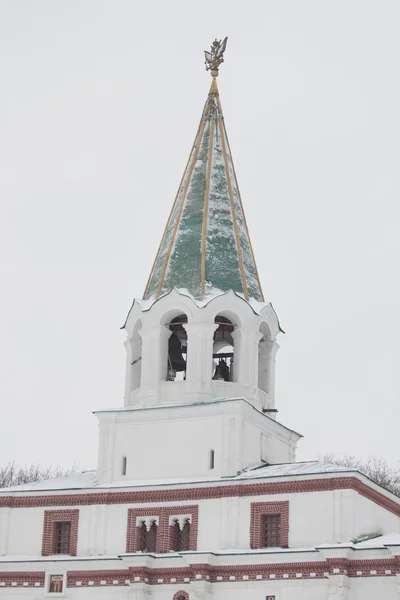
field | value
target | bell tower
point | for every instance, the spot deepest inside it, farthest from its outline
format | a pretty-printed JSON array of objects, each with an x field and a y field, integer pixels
[{"x": 201, "y": 344}]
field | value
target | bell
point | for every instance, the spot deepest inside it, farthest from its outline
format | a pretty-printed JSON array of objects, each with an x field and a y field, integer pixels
[
  {"x": 175, "y": 359},
  {"x": 221, "y": 371}
]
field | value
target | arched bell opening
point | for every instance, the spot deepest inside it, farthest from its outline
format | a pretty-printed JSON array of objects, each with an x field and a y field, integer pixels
[
  {"x": 223, "y": 349},
  {"x": 264, "y": 349},
  {"x": 136, "y": 357},
  {"x": 177, "y": 349}
]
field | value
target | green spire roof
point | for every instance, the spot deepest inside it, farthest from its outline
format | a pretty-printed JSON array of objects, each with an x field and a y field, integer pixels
[{"x": 206, "y": 244}]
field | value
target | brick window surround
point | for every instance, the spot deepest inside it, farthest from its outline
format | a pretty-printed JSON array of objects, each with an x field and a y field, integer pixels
[
  {"x": 259, "y": 510},
  {"x": 165, "y": 531},
  {"x": 49, "y": 540},
  {"x": 181, "y": 596}
]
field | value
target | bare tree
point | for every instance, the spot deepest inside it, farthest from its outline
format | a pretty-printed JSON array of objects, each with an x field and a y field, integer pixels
[
  {"x": 11, "y": 475},
  {"x": 377, "y": 469}
]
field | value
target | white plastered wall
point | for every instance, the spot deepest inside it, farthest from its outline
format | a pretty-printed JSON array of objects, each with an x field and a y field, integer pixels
[
  {"x": 315, "y": 518},
  {"x": 173, "y": 442}
]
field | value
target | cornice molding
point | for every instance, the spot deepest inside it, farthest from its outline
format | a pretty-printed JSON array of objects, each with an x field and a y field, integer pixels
[{"x": 209, "y": 491}]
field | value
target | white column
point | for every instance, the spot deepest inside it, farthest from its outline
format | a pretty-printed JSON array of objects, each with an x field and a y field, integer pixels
[
  {"x": 200, "y": 589},
  {"x": 230, "y": 519},
  {"x": 246, "y": 355},
  {"x": 128, "y": 373},
  {"x": 263, "y": 354},
  {"x": 339, "y": 587},
  {"x": 106, "y": 451},
  {"x": 139, "y": 591},
  {"x": 5, "y": 515},
  {"x": 398, "y": 584},
  {"x": 154, "y": 357},
  {"x": 97, "y": 522},
  {"x": 273, "y": 348},
  {"x": 199, "y": 351}
]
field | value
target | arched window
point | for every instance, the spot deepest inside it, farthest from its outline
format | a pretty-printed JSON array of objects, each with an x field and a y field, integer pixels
[
  {"x": 177, "y": 349},
  {"x": 185, "y": 535},
  {"x": 181, "y": 535},
  {"x": 181, "y": 595},
  {"x": 148, "y": 536},
  {"x": 223, "y": 349}
]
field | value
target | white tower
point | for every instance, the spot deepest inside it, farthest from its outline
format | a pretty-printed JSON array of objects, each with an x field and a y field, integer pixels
[{"x": 200, "y": 370}]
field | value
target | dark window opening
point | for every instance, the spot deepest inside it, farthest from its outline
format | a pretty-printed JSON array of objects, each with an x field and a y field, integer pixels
[
  {"x": 63, "y": 536},
  {"x": 124, "y": 463},
  {"x": 272, "y": 531},
  {"x": 181, "y": 536},
  {"x": 177, "y": 349},
  {"x": 223, "y": 350},
  {"x": 212, "y": 459},
  {"x": 148, "y": 537}
]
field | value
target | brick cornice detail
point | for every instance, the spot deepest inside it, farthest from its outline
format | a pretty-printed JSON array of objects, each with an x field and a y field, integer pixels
[
  {"x": 22, "y": 579},
  {"x": 230, "y": 573},
  {"x": 241, "y": 489},
  {"x": 226, "y": 573}
]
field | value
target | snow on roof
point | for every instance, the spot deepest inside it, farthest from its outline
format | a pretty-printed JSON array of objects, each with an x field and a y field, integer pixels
[
  {"x": 10, "y": 558},
  {"x": 378, "y": 543},
  {"x": 287, "y": 469},
  {"x": 381, "y": 541},
  {"x": 86, "y": 479},
  {"x": 89, "y": 480},
  {"x": 208, "y": 296}
]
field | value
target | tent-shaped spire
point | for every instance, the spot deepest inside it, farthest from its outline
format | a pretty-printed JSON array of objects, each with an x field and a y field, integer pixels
[{"x": 206, "y": 244}]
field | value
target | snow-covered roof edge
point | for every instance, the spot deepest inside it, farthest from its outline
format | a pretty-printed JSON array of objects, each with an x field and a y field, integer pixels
[
  {"x": 87, "y": 480},
  {"x": 382, "y": 542},
  {"x": 255, "y": 305},
  {"x": 195, "y": 404}
]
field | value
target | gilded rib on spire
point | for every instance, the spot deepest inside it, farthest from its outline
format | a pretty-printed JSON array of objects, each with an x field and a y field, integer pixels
[{"x": 206, "y": 244}]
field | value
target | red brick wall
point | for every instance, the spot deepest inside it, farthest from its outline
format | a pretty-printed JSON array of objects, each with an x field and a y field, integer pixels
[
  {"x": 22, "y": 579},
  {"x": 51, "y": 517},
  {"x": 258, "y": 510},
  {"x": 164, "y": 531}
]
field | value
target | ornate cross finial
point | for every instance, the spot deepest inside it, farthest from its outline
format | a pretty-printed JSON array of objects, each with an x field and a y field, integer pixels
[{"x": 216, "y": 56}]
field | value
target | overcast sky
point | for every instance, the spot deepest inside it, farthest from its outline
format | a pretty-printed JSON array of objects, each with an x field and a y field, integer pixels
[{"x": 99, "y": 104}]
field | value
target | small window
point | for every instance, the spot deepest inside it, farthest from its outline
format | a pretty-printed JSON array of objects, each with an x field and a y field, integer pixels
[
  {"x": 212, "y": 459},
  {"x": 63, "y": 536},
  {"x": 272, "y": 531},
  {"x": 124, "y": 463},
  {"x": 148, "y": 537},
  {"x": 56, "y": 584},
  {"x": 181, "y": 536}
]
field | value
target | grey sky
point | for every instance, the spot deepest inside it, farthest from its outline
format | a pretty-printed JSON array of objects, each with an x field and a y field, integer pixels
[{"x": 99, "y": 106}]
